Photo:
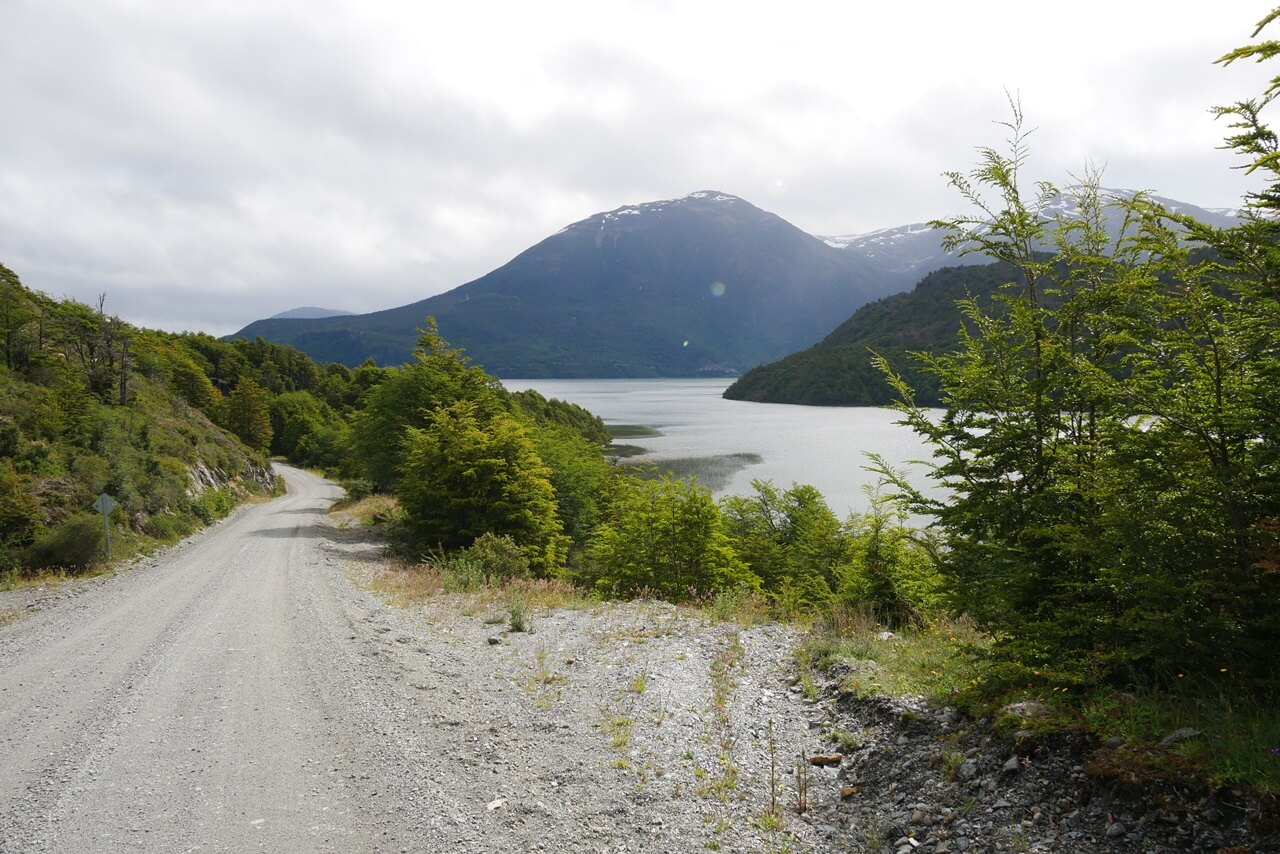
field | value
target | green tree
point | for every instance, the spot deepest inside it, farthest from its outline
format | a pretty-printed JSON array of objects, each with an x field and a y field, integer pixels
[
  {"x": 791, "y": 539},
  {"x": 294, "y": 416},
  {"x": 248, "y": 414},
  {"x": 463, "y": 477},
  {"x": 666, "y": 537},
  {"x": 406, "y": 397},
  {"x": 1109, "y": 438}
]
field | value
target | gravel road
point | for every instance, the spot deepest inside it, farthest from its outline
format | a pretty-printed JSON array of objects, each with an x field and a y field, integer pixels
[{"x": 247, "y": 691}]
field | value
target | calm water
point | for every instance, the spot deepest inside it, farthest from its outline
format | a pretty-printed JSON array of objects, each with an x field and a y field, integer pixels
[{"x": 734, "y": 442}]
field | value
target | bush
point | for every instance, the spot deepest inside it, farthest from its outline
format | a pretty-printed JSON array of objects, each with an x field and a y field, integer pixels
[
  {"x": 891, "y": 571},
  {"x": 212, "y": 504},
  {"x": 460, "y": 574},
  {"x": 465, "y": 475},
  {"x": 74, "y": 542},
  {"x": 664, "y": 537},
  {"x": 358, "y": 488},
  {"x": 170, "y": 526},
  {"x": 499, "y": 557}
]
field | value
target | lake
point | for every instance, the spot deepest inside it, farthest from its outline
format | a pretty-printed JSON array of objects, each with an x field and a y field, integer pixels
[{"x": 688, "y": 428}]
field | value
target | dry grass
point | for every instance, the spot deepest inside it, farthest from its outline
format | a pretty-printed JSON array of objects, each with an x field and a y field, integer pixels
[
  {"x": 404, "y": 584},
  {"x": 369, "y": 510}
]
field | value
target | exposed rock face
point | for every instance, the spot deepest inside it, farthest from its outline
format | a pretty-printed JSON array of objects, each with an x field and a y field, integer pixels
[{"x": 204, "y": 477}]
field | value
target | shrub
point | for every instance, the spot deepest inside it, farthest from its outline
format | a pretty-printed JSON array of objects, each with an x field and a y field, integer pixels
[
  {"x": 666, "y": 537},
  {"x": 890, "y": 570},
  {"x": 170, "y": 526},
  {"x": 358, "y": 488},
  {"x": 499, "y": 557},
  {"x": 465, "y": 475},
  {"x": 74, "y": 542}
]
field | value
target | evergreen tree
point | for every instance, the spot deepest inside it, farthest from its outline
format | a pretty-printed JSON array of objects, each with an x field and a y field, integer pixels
[
  {"x": 248, "y": 414},
  {"x": 463, "y": 476}
]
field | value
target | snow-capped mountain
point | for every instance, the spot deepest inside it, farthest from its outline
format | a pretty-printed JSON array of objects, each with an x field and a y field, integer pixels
[{"x": 916, "y": 249}]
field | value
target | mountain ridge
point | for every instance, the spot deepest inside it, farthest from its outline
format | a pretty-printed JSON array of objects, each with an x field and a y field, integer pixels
[{"x": 704, "y": 284}]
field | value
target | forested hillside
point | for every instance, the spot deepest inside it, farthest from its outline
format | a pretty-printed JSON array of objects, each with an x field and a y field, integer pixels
[{"x": 839, "y": 370}]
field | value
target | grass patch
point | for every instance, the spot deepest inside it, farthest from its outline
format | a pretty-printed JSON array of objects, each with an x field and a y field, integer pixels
[
  {"x": 518, "y": 616},
  {"x": 1239, "y": 741},
  {"x": 623, "y": 452},
  {"x": 936, "y": 661},
  {"x": 736, "y": 605},
  {"x": 714, "y": 472}
]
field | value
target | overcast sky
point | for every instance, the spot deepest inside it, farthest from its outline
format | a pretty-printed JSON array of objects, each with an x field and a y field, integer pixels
[{"x": 208, "y": 164}]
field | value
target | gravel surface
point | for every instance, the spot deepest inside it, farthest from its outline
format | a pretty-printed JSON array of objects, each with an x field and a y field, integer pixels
[{"x": 247, "y": 691}]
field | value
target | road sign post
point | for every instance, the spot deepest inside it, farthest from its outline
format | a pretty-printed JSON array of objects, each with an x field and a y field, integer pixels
[{"x": 104, "y": 505}]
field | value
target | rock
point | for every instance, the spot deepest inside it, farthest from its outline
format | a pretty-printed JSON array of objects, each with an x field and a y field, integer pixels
[
  {"x": 496, "y": 804},
  {"x": 1116, "y": 829},
  {"x": 1011, "y": 765},
  {"x": 967, "y": 770},
  {"x": 1178, "y": 736},
  {"x": 822, "y": 760},
  {"x": 1115, "y": 741},
  {"x": 1027, "y": 709}
]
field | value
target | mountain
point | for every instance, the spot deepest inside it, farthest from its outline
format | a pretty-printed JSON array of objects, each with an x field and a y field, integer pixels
[
  {"x": 837, "y": 371},
  {"x": 705, "y": 284},
  {"x": 916, "y": 249},
  {"x": 309, "y": 312}
]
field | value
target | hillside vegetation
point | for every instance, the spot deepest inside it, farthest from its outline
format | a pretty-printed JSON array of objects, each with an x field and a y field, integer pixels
[
  {"x": 89, "y": 405},
  {"x": 840, "y": 369}
]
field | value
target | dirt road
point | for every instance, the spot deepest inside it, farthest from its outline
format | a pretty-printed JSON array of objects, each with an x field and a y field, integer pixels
[{"x": 246, "y": 691}]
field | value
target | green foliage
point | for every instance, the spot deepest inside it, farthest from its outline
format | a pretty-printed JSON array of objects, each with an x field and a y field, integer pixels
[
  {"x": 295, "y": 415},
  {"x": 533, "y": 408},
  {"x": 74, "y": 542},
  {"x": 664, "y": 537},
  {"x": 248, "y": 414},
  {"x": 579, "y": 475},
  {"x": 19, "y": 514},
  {"x": 90, "y": 405},
  {"x": 1110, "y": 439},
  {"x": 791, "y": 540},
  {"x": 439, "y": 376},
  {"x": 892, "y": 569},
  {"x": 500, "y": 558},
  {"x": 463, "y": 476}
]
